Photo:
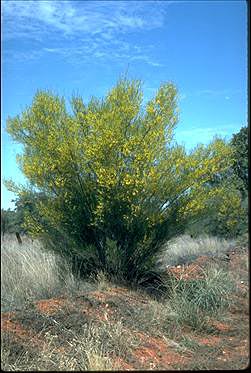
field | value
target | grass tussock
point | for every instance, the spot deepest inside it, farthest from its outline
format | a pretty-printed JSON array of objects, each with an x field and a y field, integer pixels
[
  {"x": 190, "y": 303},
  {"x": 184, "y": 249},
  {"x": 194, "y": 301},
  {"x": 30, "y": 273},
  {"x": 102, "y": 281}
]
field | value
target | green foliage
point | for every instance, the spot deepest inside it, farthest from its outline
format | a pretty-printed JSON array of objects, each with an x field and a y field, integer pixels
[
  {"x": 25, "y": 205},
  {"x": 240, "y": 145},
  {"x": 115, "y": 184},
  {"x": 8, "y": 221},
  {"x": 227, "y": 215}
]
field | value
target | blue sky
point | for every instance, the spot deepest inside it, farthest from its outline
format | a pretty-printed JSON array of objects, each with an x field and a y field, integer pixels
[{"x": 84, "y": 46}]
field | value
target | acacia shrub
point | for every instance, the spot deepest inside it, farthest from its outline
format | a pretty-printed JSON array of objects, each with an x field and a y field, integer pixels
[{"x": 115, "y": 183}]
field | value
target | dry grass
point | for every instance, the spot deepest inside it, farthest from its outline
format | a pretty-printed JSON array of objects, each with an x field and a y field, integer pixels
[
  {"x": 90, "y": 350},
  {"x": 185, "y": 249},
  {"x": 30, "y": 273}
]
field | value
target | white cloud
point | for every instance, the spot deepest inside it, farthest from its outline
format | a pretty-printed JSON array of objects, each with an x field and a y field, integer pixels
[
  {"x": 81, "y": 28},
  {"x": 146, "y": 59},
  {"x": 72, "y": 17}
]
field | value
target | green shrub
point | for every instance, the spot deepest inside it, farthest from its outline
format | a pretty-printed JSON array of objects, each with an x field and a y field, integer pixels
[{"x": 113, "y": 184}]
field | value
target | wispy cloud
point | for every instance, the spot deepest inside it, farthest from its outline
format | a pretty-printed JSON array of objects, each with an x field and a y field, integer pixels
[
  {"x": 81, "y": 28},
  {"x": 146, "y": 59}
]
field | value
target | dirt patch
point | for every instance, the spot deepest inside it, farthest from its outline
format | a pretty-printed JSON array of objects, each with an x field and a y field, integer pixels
[
  {"x": 18, "y": 333},
  {"x": 212, "y": 340},
  {"x": 120, "y": 364},
  {"x": 151, "y": 357},
  {"x": 155, "y": 353},
  {"x": 101, "y": 296},
  {"x": 50, "y": 306},
  {"x": 220, "y": 326},
  {"x": 195, "y": 270},
  {"x": 125, "y": 295},
  {"x": 192, "y": 271}
]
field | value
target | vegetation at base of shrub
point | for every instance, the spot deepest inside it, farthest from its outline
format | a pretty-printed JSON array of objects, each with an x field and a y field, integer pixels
[
  {"x": 186, "y": 303},
  {"x": 30, "y": 273},
  {"x": 189, "y": 302},
  {"x": 102, "y": 280}
]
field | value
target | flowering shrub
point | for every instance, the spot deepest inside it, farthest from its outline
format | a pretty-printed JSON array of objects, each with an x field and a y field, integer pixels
[{"x": 115, "y": 183}]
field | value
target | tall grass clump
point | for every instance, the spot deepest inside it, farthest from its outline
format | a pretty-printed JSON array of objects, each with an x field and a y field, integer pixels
[
  {"x": 184, "y": 249},
  {"x": 194, "y": 300},
  {"x": 29, "y": 272}
]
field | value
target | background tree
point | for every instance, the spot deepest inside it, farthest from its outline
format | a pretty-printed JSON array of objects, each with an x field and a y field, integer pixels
[
  {"x": 7, "y": 221},
  {"x": 13, "y": 221},
  {"x": 115, "y": 184},
  {"x": 239, "y": 142},
  {"x": 228, "y": 215}
]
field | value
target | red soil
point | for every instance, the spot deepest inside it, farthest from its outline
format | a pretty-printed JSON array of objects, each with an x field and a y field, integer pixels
[
  {"x": 17, "y": 330},
  {"x": 50, "y": 306}
]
